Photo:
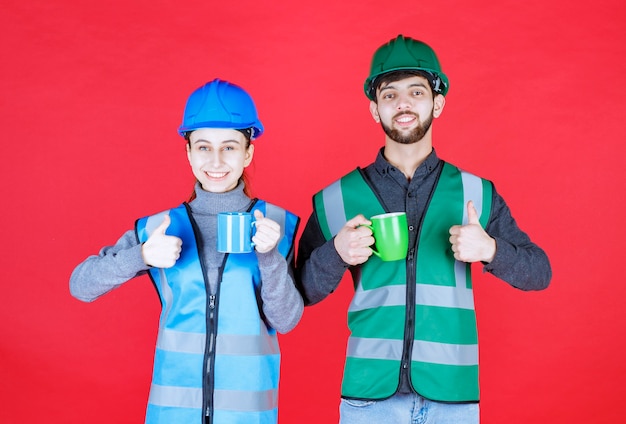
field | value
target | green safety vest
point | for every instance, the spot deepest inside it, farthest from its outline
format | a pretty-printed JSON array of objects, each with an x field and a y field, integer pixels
[{"x": 441, "y": 337}]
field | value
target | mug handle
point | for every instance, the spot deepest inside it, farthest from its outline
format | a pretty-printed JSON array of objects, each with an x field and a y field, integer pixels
[
  {"x": 252, "y": 225},
  {"x": 371, "y": 248}
]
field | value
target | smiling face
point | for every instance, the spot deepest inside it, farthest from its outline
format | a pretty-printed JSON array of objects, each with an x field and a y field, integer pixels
[
  {"x": 218, "y": 157},
  {"x": 405, "y": 108}
]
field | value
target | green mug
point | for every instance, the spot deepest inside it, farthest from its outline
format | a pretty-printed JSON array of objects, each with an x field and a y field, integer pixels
[{"x": 391, "y": 235}]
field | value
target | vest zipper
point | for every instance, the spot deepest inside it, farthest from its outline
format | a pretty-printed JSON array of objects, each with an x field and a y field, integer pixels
[
  {"x": 212, "y": 317},
  {"x": 210, "y": 361},
  {"x": 211, "y": 326},
  {"x": 411, "y": 294},
  {"x": 409, "y": 324}
]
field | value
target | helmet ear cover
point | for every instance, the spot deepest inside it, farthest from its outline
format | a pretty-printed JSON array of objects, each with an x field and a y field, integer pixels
[
  {"x": 248, "y": 133},
  {"x": 435, "y": 82}
]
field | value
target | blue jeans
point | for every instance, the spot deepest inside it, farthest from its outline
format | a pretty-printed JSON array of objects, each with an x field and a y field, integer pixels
[{"x": 406, "y": 409}]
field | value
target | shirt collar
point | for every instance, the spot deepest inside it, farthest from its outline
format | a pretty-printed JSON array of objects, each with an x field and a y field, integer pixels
[{"x": 384, "y": 168}]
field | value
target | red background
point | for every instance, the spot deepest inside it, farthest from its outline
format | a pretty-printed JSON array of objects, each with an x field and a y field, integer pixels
[{"x": 92, "y": 94}]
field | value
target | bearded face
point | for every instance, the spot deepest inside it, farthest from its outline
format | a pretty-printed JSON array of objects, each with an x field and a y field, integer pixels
[{"x": 408, "y": 136}]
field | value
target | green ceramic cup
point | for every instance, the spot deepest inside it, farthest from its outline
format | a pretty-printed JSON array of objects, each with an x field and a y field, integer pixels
[{"x": 391, "y": 232}]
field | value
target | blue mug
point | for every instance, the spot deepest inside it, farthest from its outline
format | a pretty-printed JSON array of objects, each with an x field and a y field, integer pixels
[{"x": 234, "y": 232}]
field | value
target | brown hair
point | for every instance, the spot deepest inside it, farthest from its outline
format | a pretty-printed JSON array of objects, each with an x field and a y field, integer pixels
[{"x": 398, "y": 75}]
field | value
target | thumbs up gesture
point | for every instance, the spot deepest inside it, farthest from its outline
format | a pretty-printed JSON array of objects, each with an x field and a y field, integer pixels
[
  {"x": 471, "y": 243},
  {"x": 161, "y": 250}
]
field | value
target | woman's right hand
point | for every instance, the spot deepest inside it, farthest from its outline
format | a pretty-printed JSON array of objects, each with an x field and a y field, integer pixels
[{"x": 161, "y": 250}]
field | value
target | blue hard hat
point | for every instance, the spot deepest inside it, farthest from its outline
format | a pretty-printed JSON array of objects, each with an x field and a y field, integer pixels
[{"x": 221, "y": 104}]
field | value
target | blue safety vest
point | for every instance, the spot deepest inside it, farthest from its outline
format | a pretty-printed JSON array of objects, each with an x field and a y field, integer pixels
[{"x": 215, "y": 354}]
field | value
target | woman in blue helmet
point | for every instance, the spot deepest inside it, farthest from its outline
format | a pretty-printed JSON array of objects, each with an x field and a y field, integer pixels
[{"x": 217, "y": 357}]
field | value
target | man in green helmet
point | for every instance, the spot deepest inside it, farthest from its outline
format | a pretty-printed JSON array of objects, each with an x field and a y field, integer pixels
[{"x": 412, "y": 354}]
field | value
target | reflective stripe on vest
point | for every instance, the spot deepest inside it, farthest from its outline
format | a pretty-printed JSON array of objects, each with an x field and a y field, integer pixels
[
  {"x": 242, "y": 388},
  {"x": 445, "y": 352}
]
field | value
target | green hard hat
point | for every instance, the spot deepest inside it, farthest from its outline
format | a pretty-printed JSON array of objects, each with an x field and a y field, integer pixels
[{"x": 404, "y": 53}]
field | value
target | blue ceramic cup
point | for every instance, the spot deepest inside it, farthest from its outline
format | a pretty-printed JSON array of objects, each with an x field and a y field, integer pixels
[{"x": 234, "y": 232}]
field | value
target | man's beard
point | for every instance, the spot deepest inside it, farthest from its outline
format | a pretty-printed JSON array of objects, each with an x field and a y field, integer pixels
[{"x": 414, "y": 136}]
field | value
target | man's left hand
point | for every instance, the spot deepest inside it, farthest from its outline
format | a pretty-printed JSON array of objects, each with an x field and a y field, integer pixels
[{"x": 471, "y": 243}]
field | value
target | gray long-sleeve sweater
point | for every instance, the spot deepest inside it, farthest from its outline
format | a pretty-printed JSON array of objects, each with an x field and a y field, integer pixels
[{"x": 114, "y": 265}]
